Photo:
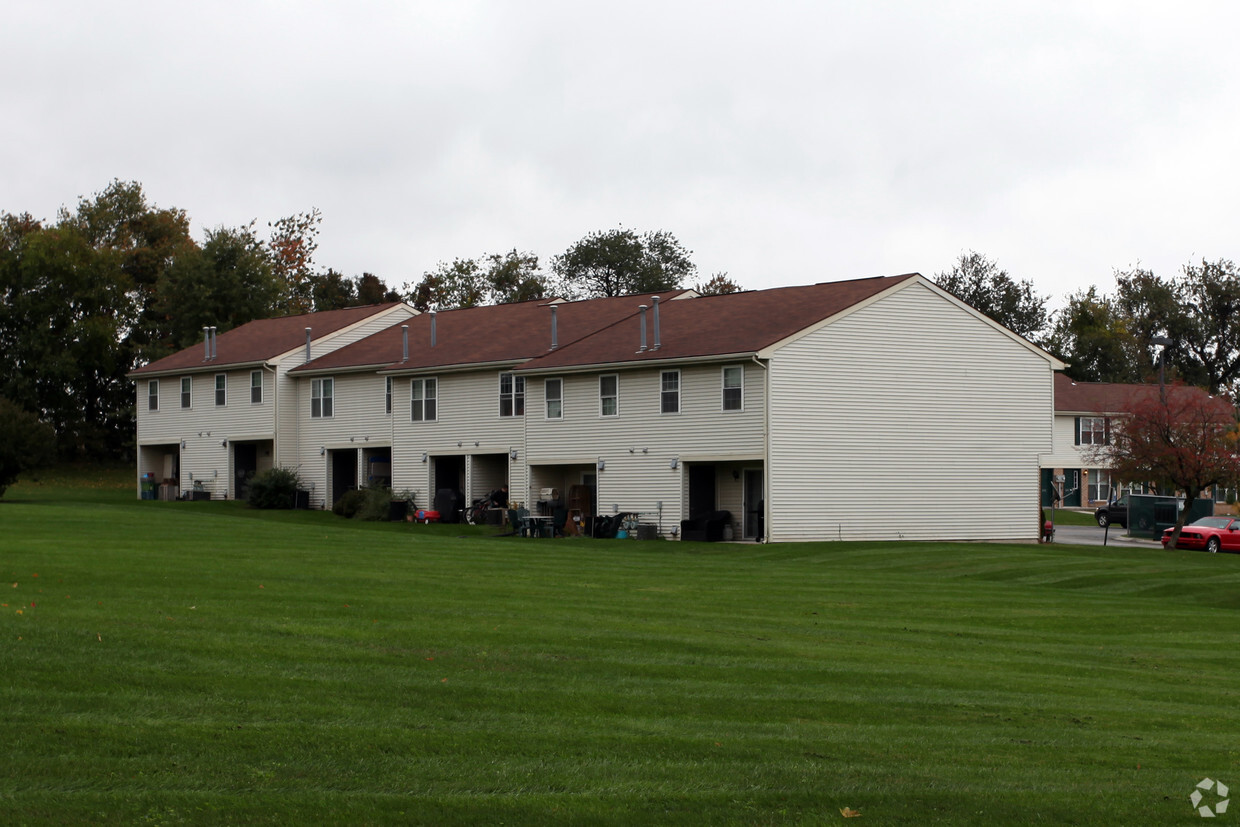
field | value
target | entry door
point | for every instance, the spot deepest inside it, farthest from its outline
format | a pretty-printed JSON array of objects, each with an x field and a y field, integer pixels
[
  {"x": 701, "y": 490},
  {"x": 344, "y": 473},
  {"x": 1072, "y": 487},
  {"x": 753, "y": 504},
  {"x": 245, "y": 466}
]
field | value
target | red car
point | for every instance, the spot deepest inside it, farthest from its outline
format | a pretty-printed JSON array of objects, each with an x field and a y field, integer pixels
[{"x": 1213, "y": 534}]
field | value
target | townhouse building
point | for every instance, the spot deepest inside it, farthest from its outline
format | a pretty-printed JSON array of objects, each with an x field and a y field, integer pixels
[
  {"x": 856, "y": 410},
  {"x": 1076, "y": 473},
  {"x": 211, "y": 416}
]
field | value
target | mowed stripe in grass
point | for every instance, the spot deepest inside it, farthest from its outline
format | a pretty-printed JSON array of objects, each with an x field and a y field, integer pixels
[{"x": 201, "y": 662}]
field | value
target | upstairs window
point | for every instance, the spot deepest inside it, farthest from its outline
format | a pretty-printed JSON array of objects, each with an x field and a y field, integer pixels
[
  {"x": 387, "y": 395},
  {"x": 423, "y": 400},
  {"x": 256, "y": 387},
  {"x": 1093, "y": 430},
  {"x": 609, "y": 395},
  {"x": 669, "y": 392},
  {"x": 555, "y": 398},
  {"x": 187, "y": 392},
  {"x": 152, "y": 395},
  {"x": 734, "y": 388},
  {"x": 221, "y": 389},
  {"x": 321, "y": 398},
  {"x": 511, "y": 395}
]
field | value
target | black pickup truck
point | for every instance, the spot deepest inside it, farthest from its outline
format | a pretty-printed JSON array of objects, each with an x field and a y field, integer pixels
[{"x": 1116, "y": 512}]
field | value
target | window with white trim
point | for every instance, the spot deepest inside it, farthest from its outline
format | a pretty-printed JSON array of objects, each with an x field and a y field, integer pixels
[
  {"x": 423, "y": 400},
  {"x": 256, "y": 387},
  {"x": 609, "y": 395},
  {"x": 511, "y": 395},
  {"x": 152, "y": 395},
  {"x": 1100, "y": 484},
  {"x": 187, "y": 391},
  {"x": 221, "y": 389},
  {"x": 669, "y": 392},
  {"x": 387, "y": 395},
  {"x": 734, "y": 387},
  {"x": 322, "y": 393},
  {"x": 1093, "y": 430},
  {"x": 554, "y": 394}
]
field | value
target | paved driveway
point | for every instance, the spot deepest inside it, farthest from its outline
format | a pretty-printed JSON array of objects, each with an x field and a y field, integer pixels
[{"x": 1092, "y": 535}]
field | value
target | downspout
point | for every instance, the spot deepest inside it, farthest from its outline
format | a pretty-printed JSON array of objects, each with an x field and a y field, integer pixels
[
  {"x": 766, "y": 449},
  {"x": 275, "y": 415}
]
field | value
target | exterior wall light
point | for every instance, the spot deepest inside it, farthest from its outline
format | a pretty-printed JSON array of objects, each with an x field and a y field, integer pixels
[
  {"x": 675, "y": 463},
  {"x": 602, "y": 464}
]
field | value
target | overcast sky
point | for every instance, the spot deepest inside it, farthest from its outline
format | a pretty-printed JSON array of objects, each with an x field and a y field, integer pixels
[{"x": 783, "y": 142}]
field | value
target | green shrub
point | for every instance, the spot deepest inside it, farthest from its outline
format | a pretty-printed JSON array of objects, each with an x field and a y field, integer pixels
[
  {"x": 274, "y": 488},
  {"x": 25, "y": 443},
  {"x": 350, "y": 503},
  {"x": 364, "y": 504}
]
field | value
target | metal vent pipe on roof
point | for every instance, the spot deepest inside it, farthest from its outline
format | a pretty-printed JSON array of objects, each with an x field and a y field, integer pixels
[
  {"x": 555, "y": 334},
  {"x": 656, "y": 323},
  {"x": 642, "y": 308},
  {"x": 213, "y": 353},
  {"x": 307, "y": 344},
  {"x": 432, "y": 315},
  {"x": 404, "y": 343},
  {"x": 206, "y": 343}
]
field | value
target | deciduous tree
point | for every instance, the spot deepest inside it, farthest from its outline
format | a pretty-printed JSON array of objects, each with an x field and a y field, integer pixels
[
  {"x": 1095, "y": 339},
  {"x": 718, "y": 285},
  {"x": 25, "y": 443},
  {"x": 293, "y": 242},
  {"x": 226, "y": 283},
  {"x": 1189, "y": 440},
  {"x": 980, "y": 282},
  {"x": 1199, "y": 312},
  {"x": 620, "y": 262}
]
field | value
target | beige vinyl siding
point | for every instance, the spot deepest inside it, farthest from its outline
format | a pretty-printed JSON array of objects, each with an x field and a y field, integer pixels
[
  {"x": 359, "y": 421},
  {"x": 468, "y": 413},
  {"x": 1066, "y": 453},
  {"x": 909, "y": 418},
  {"x": 204, "y": 426},
  {"x": 638, "y": 481}
]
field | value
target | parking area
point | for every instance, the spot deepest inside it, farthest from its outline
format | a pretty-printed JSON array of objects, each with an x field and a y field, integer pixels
[{"x": 1086, "y": 535}]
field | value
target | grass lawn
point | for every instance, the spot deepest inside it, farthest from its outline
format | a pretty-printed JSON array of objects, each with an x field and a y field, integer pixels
[{"x": 172, "y": 663}]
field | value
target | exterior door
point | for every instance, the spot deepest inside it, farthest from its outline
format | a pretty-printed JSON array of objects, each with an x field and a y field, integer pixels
[
  {"x": 1048, "y": 488},
  {"x": 701, "y": 490},
  {"x": 245, "y": 466},
  {"x": 753, "y": 505},
  {"x": 343, "y": 474},
  {"x": 1072, "y": 488}
]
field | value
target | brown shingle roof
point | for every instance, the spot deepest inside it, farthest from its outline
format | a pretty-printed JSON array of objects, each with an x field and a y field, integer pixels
[
  {"x": 482, "y": 335},
  {"x": 718, "y": 325},
  {"x": 263, "y": 339},
  {"x": 1073, "y": 397}
]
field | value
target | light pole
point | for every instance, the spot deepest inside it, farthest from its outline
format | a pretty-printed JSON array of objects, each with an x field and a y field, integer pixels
[{"x": 1164, "y": 343}]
